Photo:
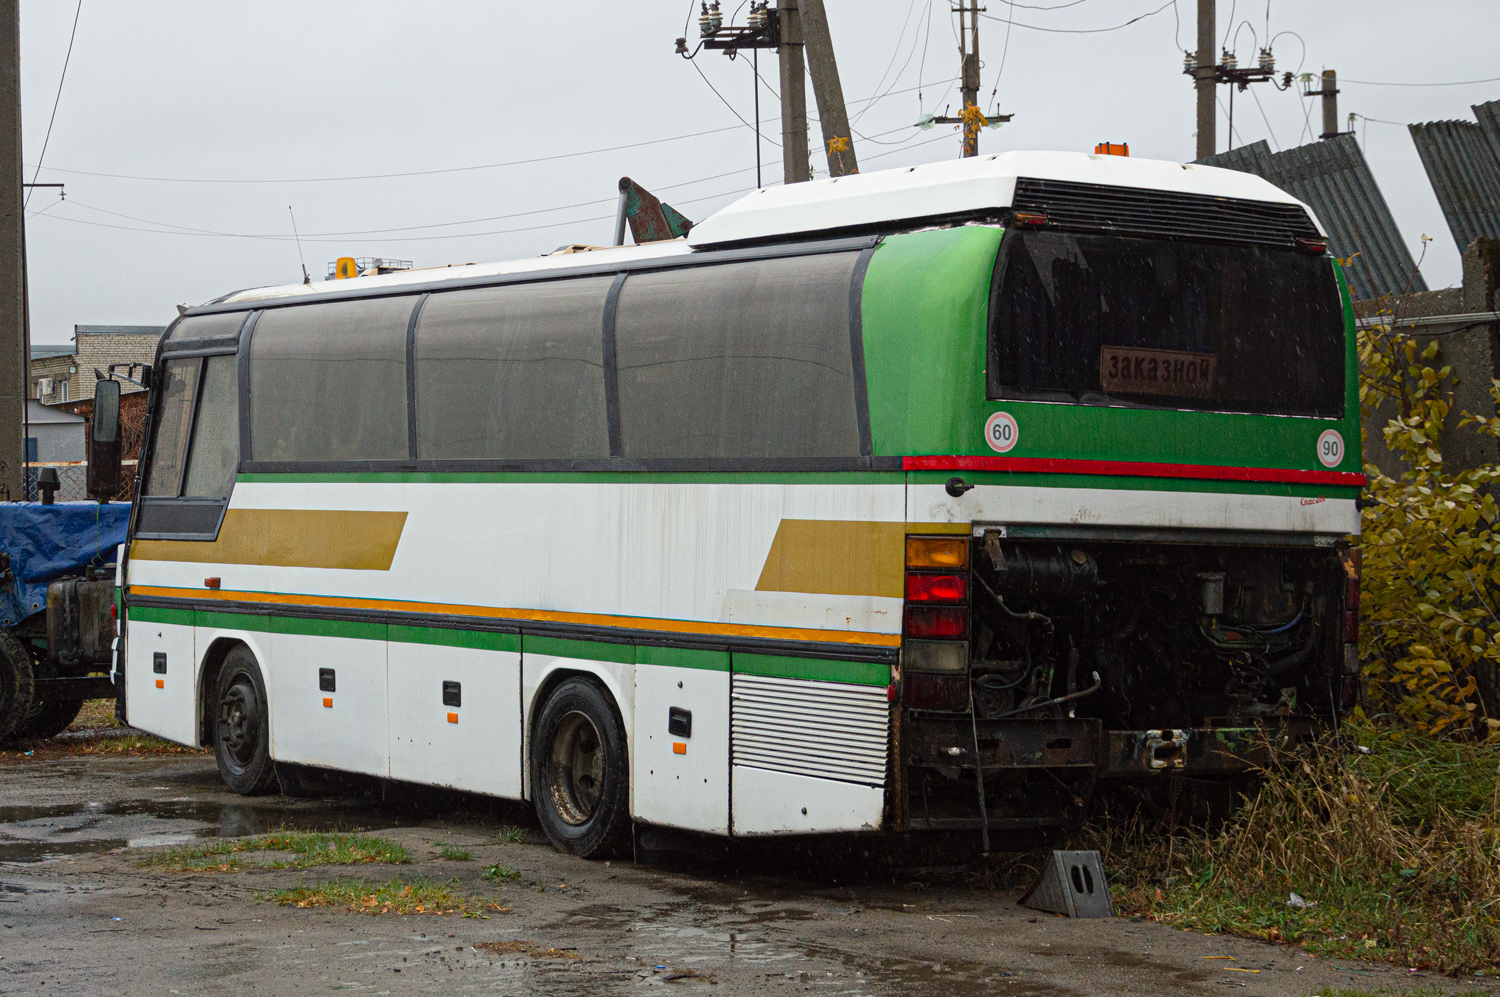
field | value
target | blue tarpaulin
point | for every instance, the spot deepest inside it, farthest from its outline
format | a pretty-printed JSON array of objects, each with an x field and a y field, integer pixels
[{"x": 47, "y": 542}]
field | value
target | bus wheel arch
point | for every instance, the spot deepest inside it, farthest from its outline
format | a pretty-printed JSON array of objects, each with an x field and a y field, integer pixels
[
  {"x": 208, "y": 677},
  {"x": 239, "y": 721},
  {"x": 579, "y": 766}
]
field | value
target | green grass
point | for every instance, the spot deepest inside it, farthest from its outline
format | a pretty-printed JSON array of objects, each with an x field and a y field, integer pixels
[
  {"x": 307, "y": 849},
  {"x": 508, "y": 835},
  {"x": 495, "y": 873},
  {"x": 399, "y": 896},
  {"x": 450, "y": 854},
  {"x": 1399, "y": 850}
]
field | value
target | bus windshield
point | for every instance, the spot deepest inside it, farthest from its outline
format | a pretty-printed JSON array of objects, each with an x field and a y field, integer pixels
[{"x": 1106, "y": 319}]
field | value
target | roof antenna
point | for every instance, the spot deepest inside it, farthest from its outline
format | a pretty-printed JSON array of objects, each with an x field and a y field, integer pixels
[{"x": 305, "y": 278}]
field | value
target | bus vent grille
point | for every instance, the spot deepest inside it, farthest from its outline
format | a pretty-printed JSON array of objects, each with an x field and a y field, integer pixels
[
  {"x": 1091, "y": 207},
  {"x": 826, "y": 730}
]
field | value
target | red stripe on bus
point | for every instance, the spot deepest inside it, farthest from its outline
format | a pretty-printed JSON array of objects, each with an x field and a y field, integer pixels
[{"x": 1057, "y": 465}]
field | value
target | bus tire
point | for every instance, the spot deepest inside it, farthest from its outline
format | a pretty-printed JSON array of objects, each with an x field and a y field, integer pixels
[
  {"x": 241, "y": 726},
  {"x": 17, "y": 687},
  {"x": 579, "y": 772}
]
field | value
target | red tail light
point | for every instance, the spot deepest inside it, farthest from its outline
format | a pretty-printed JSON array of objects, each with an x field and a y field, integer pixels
[
  {"x": 936, "y": 588},
  {"x": 948, "y": 693},
  {"x": 923, "y": 622}
]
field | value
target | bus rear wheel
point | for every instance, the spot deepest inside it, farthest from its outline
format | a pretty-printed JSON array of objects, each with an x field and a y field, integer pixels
[
  {"x": 579, "y": 773},
  {"x": 242, "y": 730}
]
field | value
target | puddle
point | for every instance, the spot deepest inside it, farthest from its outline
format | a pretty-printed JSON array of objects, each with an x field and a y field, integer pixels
[{"x": 41, "y": 834}]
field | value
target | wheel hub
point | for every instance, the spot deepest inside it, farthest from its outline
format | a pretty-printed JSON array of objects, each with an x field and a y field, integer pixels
[{"x": 575, "y": 769}]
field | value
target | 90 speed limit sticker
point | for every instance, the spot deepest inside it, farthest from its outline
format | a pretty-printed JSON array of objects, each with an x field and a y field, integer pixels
[
  {"x": 1331, "y": 448},
  {"x": 1000, "y": 432}
]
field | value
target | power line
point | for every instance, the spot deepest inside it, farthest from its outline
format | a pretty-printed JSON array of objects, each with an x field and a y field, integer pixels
[
  {"x": 410, "y": 173},
  {"x": 437, "y": 172},
  {"x": 406, "y": 228},
  {"x": 694, "y": 64},
  {"x": 168, "y": 228},
  {"x": 1455, "y": 83},
  {"x": 55, "y": 101},
  {"x": 1084, "y": 31}
]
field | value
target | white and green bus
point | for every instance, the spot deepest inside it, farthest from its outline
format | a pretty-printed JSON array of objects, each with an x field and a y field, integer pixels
[{"x": 927, "y": 499}]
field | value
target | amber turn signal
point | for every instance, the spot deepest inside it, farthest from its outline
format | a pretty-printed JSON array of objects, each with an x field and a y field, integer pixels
[{"x": 937, "y": 552}]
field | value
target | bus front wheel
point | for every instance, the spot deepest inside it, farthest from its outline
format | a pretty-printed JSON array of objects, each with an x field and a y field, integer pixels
[
  {"x": 579, "y": 775},
  {"x": 242, "y": 734}
]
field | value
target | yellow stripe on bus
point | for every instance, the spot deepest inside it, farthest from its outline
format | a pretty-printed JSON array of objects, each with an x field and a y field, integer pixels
[
  {"x": 290, "y": 538},
  {"x": 525, "y": 615}
]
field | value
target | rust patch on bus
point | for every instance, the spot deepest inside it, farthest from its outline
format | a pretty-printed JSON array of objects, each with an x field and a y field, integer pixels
[
  {"x": 835, "y": 557},
  {"x": 290, "y": 538}
]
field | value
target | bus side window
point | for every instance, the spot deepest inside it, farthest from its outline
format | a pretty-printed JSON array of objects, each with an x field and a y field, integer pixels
[
  {"x": 215, "y": 452},
  {"x": 173, "y": 426},
  {"x": 513, "y": 372},
  {"x": 328, "y": 381},
  {"x": 739, "y": 361}
]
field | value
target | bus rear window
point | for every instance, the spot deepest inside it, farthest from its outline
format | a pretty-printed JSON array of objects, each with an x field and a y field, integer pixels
[{"x": 1102, "y": 319}]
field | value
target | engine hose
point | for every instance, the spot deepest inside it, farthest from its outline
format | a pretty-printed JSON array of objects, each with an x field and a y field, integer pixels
[
  {"x": 1300, "y": 657},
  {"x": 1098, "y": 684}
]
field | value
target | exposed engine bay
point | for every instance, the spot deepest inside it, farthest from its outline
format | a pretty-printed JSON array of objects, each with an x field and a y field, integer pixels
[
  {"x": 1154, "y": 635},
  {"x": 1035, "y": 671}
]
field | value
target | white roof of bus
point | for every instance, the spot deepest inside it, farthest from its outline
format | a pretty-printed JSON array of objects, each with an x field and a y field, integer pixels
[
  {"x": 955, "y": 187},
  {"x": 937, "y": 189}
]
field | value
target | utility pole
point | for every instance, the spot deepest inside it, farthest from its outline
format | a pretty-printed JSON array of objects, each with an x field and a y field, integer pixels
[
  {"x": 838, "y": 140},
  {"x": 794, "y": 164},
  {"x": 1330, "y": 95},
  {"x": 1206, "y": 79},
  {"x": 969, "y": 50},
  {"x": 971, "y": 117},
  {"x": 13, "y": 338}
]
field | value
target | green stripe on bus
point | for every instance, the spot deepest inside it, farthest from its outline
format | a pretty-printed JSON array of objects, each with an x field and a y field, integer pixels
[
  {"x": 682, "y": 657},
  {"x": 233, "y": 621},
  {"x": 814, "y": 669},
  {"x": 590, "y": 650},
  {"x": 481, "y": 640},
  {"x": 345, "y": 629},
  {"x": 156, "y": 614}
]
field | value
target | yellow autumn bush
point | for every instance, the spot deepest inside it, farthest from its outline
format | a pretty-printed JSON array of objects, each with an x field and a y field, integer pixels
[{"x": 1428, "y": 622}]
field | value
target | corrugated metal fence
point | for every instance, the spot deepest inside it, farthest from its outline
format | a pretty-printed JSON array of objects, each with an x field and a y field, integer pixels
[
  {"x": 1462, "y": 159},
  {"x": 1333, "y": 178}
]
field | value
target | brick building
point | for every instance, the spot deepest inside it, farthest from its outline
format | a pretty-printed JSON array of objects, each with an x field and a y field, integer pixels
[
  {"x": 68, "y": 371},
  {"x": 53, "y": 367}
]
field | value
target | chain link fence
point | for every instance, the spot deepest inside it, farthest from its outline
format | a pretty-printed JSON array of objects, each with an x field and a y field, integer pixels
[{"x": 72, "y": 481}]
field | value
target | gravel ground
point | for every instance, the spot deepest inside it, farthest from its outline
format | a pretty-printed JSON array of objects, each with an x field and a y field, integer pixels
[{"x": 80, "y": 914}]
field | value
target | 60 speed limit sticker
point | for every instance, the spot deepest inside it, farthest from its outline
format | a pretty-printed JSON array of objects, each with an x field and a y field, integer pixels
[
  {"x": 1000, "y": 432},
  {"x": 1331, "y": 448}
]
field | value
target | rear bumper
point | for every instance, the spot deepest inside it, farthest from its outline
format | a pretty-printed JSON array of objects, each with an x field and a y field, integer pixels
[{"x": 1083, "y": 744}]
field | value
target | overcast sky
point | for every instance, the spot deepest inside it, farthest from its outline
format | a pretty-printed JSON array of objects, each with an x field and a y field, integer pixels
[{"x": 290, "y": 91}]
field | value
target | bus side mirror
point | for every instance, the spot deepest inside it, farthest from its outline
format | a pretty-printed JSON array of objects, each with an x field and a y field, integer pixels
[{"x": 104, "y": 442}]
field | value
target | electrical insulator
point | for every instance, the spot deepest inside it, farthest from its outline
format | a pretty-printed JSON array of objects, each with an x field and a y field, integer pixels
[
  {"x": 1267, "y": 61},
  {"x": 705, "y": 21},
  {"x": 716, "y": 19},
  {"x": 1229, "y": 60},
  {"x": 757, "y": 19},
  {"x": 1189, "y": 62}
]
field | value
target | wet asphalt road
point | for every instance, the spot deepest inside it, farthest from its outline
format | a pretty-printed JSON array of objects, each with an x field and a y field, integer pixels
[{"x": 78, "y": 915}]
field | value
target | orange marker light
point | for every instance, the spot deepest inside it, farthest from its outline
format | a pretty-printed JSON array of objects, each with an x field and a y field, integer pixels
[
  {"x": 937, "y": 552},
  {"x": 328, "y": 702},
  {"x": 453, "y": 718},
  {"x": 679, "y": 747},
  {"x": 212, "y": 583},
  {"x": 161, "y": 683}
]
